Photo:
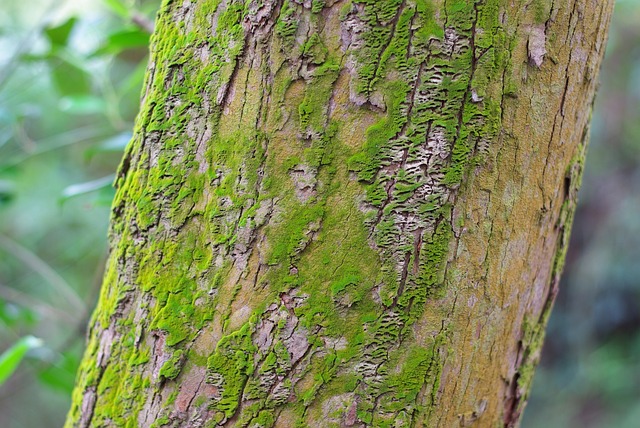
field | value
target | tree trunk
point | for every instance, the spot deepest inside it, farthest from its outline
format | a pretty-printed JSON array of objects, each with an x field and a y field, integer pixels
[{"x": 342, "y": 213}]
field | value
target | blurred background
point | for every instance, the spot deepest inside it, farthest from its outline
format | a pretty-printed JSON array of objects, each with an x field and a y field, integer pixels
[{"x": 70, "y": 78}]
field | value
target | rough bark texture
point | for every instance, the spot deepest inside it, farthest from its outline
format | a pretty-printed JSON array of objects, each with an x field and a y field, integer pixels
[{"x": 342, "y": 213}]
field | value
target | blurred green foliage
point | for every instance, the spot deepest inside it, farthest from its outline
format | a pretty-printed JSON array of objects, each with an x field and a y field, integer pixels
[{"x": 70, "y": 78}]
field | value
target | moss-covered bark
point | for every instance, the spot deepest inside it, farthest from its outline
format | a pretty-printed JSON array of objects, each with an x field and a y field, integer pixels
[{"x": 342, "y": 213}]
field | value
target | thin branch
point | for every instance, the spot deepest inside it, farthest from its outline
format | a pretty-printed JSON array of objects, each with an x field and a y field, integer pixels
[
  {"x": 30, "y": 259},
  {"x": 142, "y": 22},
  {"x": 30, "y": 301},
  {"x": 64, "y": 139}
]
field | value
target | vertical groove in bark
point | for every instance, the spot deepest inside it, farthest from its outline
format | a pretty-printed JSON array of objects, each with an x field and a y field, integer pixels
[{"x": 342, "y": 213}]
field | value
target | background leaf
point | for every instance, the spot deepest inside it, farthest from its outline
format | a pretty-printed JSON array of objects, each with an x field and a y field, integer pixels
[
  {"x": 12, "y": 357},
  {"x": 125, "y": 39},
  {"x": 69, "y": 76},
  {"x": 119, "y": 7},
  {"x": 59, "y": 35},
  {"x": 87, "y": 187}
]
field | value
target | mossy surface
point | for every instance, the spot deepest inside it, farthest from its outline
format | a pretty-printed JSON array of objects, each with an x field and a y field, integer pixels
[
  {"x": 287, "y": 218},
  {"x": 193, "y": 184}
]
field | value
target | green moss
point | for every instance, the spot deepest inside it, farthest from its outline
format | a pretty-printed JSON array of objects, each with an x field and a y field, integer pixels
[
  {"x": 543, "y": 9},
  {"x": 162, "y": 421},
  {"x": 464, "y": 123},
  {"x": 317, "y": 249},
  {"x": 295, "y": 232},
  {"x": 305, "y": 110},
  {"x": 367, "y": 162},
  {"x": 265, "y": 419},
  {"x": 229, "y": 367},
  {"x": 199, "y": 401},
  {"x": 313, "y": 110},
  {"x": 315, "y": 49},
  {"x": 287, "y": 24},
  {"x": 533, "y": 333},
  {"x": 429, "y": 27},
  {"x": 345, "y": 9},
  {"x": 317, "y": 5},
  {"x": 172, "y": 367},
  {"x": 162, "y": 192}
]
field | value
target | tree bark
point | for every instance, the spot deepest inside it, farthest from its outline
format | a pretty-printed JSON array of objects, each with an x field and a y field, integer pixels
[{"x": 342, "y": 213}]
